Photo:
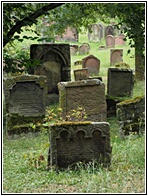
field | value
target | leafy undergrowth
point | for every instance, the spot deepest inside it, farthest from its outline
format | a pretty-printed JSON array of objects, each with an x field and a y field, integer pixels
[{"x": 21, "y": 175}]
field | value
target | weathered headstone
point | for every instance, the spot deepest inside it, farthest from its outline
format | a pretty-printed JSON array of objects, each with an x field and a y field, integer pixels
[
  {"x": 92, "y": 63},
  {"x": 109, "y": 30},
  {"x": 101, "y": 32},
  {"x": 85, "y": 142},
  {"x": 120, "y": 82},
  {"x": 88, "y": 94},
  {"x": 116, "y": 56},
  {"x": 81, "y": 74},
  {"x": 131, "y": 116},
  {"x": 25, "y": 98},
  {"x": 119, "y": 40},
  {"x": 74, "y": 49},
  {"x": 55, "y": 65},
  {"x": 93, "y": 33},
  {"x": 110, "y": 41},
  {"x": 84, "y": 49},
  {"x": 70, "y": 35}
]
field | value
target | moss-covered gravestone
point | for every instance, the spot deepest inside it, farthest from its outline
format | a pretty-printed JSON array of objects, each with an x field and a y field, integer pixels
[
  {"x": 25, "y": 98},
  {"x": 73, "y": 142},
  {"x": 131, "y": 115}
]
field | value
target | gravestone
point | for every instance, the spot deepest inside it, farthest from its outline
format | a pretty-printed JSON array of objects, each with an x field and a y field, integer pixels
[
  {"x": 110, "y": 41},
  {"x": 55, "y": 65},
  {"x": 100, "y": 32},
  {"x": 84, "y": 49},
  {"x": 131, "y": 116},
  {"x": 93, "y": 33},
  {"x": 74, "y": 49},
  {"x": 92, "y": 63},
  {"x": 120, "y": 82},
  {"x": 81, "y": 74},
  {"x": 71, "y": 143},
  {"x": 119, "y": 40},
  {"x": 88, "y": 94},
  {"x": 109, "y": 30},
  {"x": 70, "y": 35},
  {"x": 25, "y": 98},
  {"x": 116, "y": 56}
]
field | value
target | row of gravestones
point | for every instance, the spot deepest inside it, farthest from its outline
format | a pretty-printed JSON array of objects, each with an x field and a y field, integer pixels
[
  {"x": 26, "y": 97},
  {"x": 85, "y": 47},
  {"x": 96, "y": 32}
]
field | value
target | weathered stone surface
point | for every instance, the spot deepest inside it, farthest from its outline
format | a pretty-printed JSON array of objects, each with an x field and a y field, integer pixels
[
  {"x": 84, "y": 49},
  {"x": 110, "y": 41},
  {"x": 74, "y": 49},
  {"x": 119, "y": 40},
  {"x": 109, "y": 30},
  {"x": 70, "y": 35},
  {"x": 92, "y": 63},
  {"x": 116, "y": 56},
  {"x": 88, "y": 94},
  {"x": 81, "y": 74},
  {"x": 55, "y": 63},
  {"x": 25, "y": 98},
  {"x": 73, "y": 142},
  {"x": 120, "y": 82},
  {"x": 131, "y": 115}
]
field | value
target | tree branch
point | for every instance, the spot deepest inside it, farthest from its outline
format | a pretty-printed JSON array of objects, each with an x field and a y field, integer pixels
[{"x": 29, "y": 20}]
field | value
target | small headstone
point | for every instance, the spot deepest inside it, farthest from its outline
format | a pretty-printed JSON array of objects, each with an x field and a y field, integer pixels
[
  {"x": 120, "y": 82},
  {"x": 74, "y": 49},
  {"x": 84, "y": 49},
  {"x": 92, "y": 63},
  {"x": 116, "y": 56},
  {"x": 88, "y": 94},
  {"x": 81, "y": 74},
  {"x": 70, "y": 35},
  {"x": 109, "y": 30},
  {"x": 79, "y": 142},
  {"x": 25, "y": 98},
  {"x": 110, "y": 41},
  {"x": 119, "y": 40}
]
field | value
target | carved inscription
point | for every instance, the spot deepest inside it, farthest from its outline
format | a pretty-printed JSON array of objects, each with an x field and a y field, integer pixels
[{"x": 26, "y": 99}]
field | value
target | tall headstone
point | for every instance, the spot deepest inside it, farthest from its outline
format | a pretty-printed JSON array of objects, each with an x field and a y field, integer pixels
[
  {"x": 116, "y": 56},
  {"x": 109, "y": 30},
  {"x": 93, "y": 33},
  {"x": 88, "y": 94},
  {"x": 110, "y": 41},
  {"x": 25, "y": 98},
  {"x": 92, "y": 63},
  {"x": 55, "y": 64},
  {"x": 120, "y": 82}
]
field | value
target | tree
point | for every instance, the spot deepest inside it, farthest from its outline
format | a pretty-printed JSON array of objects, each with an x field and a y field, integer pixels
[{"x": 131, "y": 15}]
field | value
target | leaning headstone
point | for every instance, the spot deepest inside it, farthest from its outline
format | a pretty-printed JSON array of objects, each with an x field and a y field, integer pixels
[
  {"x": 25, "y": 98},
  {"x": 92, "y": 63},
  {"x": 120, "y": 82},
  {"x": 131, "y": 116},
  {"x": 75, "y": 142},
  {"x": 84, "y": 49},
  {"x": 55, "y": 65},
  {"x": 88, "y": 94},
  {"x": 109, "y": 30},
  {"x": 116, "y": 56},
  {"x": 110, "y": 41}
]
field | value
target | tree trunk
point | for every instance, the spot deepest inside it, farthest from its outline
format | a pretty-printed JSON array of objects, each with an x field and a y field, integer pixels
[{"x": 139, "y": 63}]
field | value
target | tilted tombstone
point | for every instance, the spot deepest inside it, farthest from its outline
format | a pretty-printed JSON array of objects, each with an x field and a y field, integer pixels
[
  {"x": 93, "y": 33},
  {"x": 92, "y": 63},
  {"x": 86, "y": 142},
  {"x": 120, "y": 82},
  {"x": 109, "y": 30},
  {"x": 110, "y": 41},
  {"x": 55, "y": 65},
  {"x": 88, "y": 94},
  {"x": 25, "y": 98},
  {"x": 116, "y": 56},
  {"x": 84, "y": 49}
]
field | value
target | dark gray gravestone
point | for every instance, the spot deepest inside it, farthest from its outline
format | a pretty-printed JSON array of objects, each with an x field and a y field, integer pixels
[
  {"x": 120, "y": 82},
  {"x": 109, "y": 30},
  {"x": 116, "y": 56},
  {"x": 25, "y": 98},
  {"x": 79, "y": 142}
]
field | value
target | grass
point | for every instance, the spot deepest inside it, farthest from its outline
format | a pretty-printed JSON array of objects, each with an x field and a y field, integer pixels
[{"x": 127, "y": 172}]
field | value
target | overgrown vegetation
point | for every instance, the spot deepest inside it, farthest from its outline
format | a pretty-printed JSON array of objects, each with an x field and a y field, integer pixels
[{"x": 25, "y": 155}]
